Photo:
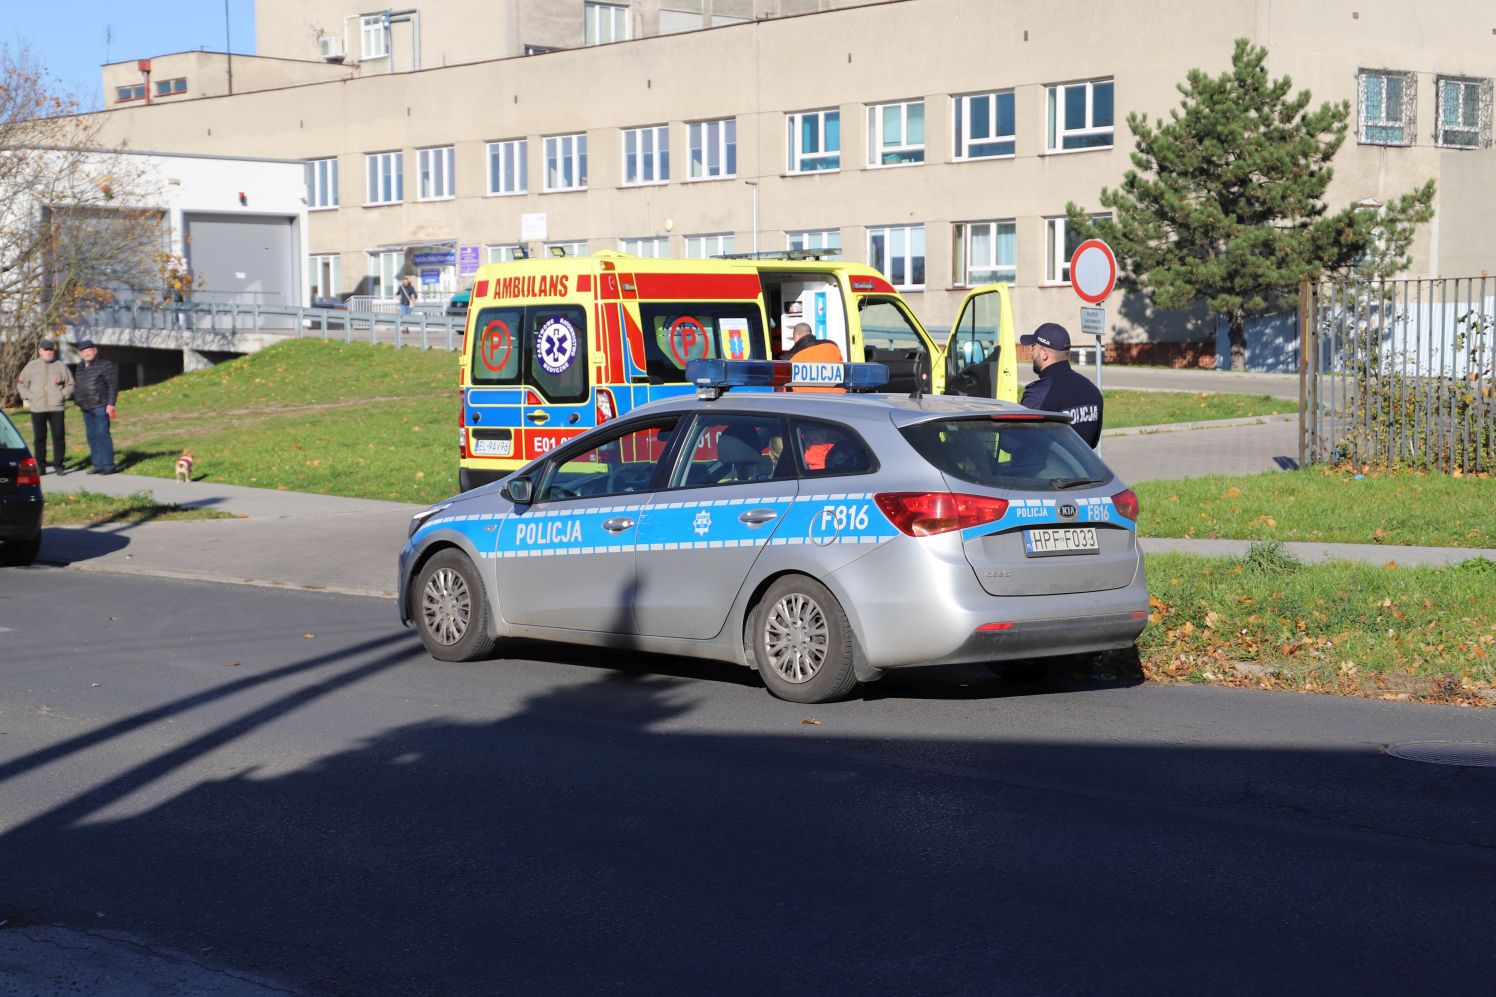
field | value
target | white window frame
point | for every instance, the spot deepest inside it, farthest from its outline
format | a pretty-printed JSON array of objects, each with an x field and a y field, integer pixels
[
  {"x": 322, "y": 270},
  {"x": 967, "y": 147},
  {"x": 712, "y": 149},
  {"x": 435, "y": 171},
  {"x": 562, "y": 153},
  {"x": 1056, "y": 258},
  {"x": 894, "y": 235},
  {"x": 646, "y": 155},
  {"x": 372, "y": 41},
  {"x": 703, "y": 247},
  {"x": 384, "y": 273},
  {"x": 384, "y": 173},
  {"x": 1478, "y": 130},
  {"x": 653, "y": 247},
  {"x": 1373, "y": 131},
  {"x": 508, "y": 167},
  {"x": 803, "y": 160},
  {"x": 171, "y": 87},
  {"x": 131, "y": 91},
  {"x": 992, "y": 268},
  {"x": 322, "y": 184},
  {"x": 903, "y": 151},
  {"x": 606, "y": 23},
  {"x": 824, "y": 239},
  {"x": 574, "y": 248},
  {"x": 1058, "y": 133},
  {"x": 502, "y": 253}
]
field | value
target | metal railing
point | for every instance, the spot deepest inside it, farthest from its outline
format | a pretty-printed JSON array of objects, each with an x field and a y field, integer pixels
[
  {"x": 1399, "y": 372},
  {"x": 427, "y": 329}
]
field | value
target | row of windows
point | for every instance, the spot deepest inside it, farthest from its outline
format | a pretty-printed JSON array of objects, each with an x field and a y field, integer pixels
[
  {"x": 982, "y": 252},
  {"x": 1387, "y": 103},
  {"x": 1080, "y": 117},
  {"x": 163, "y": 88},
  {"x": 604, "y": 22}
]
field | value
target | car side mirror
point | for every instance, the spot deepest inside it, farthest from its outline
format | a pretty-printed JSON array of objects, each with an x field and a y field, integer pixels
[{"x": 520, "y": 491}]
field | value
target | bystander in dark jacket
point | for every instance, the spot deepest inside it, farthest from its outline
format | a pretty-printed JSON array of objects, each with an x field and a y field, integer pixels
[{"x": 95, "y": 390}]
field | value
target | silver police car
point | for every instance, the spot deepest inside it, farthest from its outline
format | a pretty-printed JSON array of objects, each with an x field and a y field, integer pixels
[{"x": 821, "y": 538}]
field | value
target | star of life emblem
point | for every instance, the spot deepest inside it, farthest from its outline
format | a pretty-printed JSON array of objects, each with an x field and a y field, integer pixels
[{"x": 556, "y": 344}]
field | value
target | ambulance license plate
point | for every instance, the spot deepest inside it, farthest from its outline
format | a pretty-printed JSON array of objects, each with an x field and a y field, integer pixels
[
  {"x": 1061, "y": 540},
  {"x": 492, "y": 448}
]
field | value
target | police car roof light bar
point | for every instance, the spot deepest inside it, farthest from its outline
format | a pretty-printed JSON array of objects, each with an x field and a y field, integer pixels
[{"x": 713, "y": 377}]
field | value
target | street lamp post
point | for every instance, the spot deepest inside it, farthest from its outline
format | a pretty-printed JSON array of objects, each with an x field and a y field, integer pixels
[{"x": 754, "y": 185}]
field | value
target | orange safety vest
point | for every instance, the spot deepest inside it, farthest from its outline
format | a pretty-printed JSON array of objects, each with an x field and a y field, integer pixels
[{"x": 824, "y": 351}]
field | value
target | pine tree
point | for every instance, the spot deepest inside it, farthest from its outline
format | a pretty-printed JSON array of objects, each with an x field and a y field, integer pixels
[{"x": 1226, "y": 200}]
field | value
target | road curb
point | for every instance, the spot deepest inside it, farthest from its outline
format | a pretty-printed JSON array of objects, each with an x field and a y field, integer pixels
[
  {"x": 1183, "y": 427},
  {"x": 197, "y": 576}
]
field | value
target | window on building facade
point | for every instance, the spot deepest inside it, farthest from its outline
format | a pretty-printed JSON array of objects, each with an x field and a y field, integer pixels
[
  {"x": 508, "y": 166},
  {"x": 435, "y": 167},
  {"x": 713, "y": 148},
  {"x": 984, "y": 253},
  {"x": 503, "y": 254},
  {"x": 135, "y": 91},
  {"x": 814, "y": 141},
  {"x": 1080, "y": 115},
  {"x": 646, "y": 155},
  {"x": 985, "y": 125},
  {"x": 323, "y": 275},
  {"x": 566, "y": 162},
  {"x": 606, "y": 22},
  {"x": 1386, "y": 100},
  {"x": 1464, "y": 112},
  {"x": 322, "y": 183},
  {"x": 372, "y": 41},
  {"x": 1060, "y": 243},
  {"x": 653, "y": 247},
  {"x": 386, "y": 177},
  {"x": 578, "y": 248},
  {"x": 166, "y": 88},
  {"x": 701, "y": 247},
  {"x": 896, "y": 133},
  {"x": 898, "y": 253},
  {"x": 827, "y": 239},
  {"x": 384, "y": 273}
]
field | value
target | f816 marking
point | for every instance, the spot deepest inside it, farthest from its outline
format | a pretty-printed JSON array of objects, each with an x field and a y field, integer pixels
[{"x": 842, "y": 517}]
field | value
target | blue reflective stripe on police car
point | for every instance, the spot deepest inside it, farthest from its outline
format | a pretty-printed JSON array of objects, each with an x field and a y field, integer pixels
[
  {"x": 1046, "y": 512},
  {"x": 836, "y": 517}
]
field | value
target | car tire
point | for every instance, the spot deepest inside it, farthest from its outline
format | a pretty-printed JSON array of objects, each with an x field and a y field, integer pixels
[
  {"x": 450, "y": 608},
  {"x": 802, "y": 642},
  {"x": 20, "y": 553}
]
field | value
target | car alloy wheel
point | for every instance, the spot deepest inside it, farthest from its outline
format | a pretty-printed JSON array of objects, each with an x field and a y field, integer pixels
[
  {"x": 796, "y": 638},
  {"x": 447, "y": 606}
]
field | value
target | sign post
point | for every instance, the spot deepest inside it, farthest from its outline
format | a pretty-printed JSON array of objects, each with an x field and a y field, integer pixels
[{"x": 1093, "y": 275}]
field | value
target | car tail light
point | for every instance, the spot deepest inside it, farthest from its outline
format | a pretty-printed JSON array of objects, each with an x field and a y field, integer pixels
[
  {"x": 925, "y": 514},
  {"x": 1126, "y": 504},
  {"x": 462, "y": 427},
  {"x": 27, "y": 472}
]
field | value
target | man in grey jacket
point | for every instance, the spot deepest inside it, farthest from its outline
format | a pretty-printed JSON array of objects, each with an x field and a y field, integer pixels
[
  {"x": 45, "y": 385},
  {"x": 95, "y": 391}
]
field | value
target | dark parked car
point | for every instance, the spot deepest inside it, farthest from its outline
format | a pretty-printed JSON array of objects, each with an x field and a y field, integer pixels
[
  {"x": 20, "y": 498},
  {"x": 458, "y": 306}
]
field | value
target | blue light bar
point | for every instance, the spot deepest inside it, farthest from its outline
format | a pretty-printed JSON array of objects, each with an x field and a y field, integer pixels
[
  {"x": 713, "y": 377},
  {"x": 737, "y": 373}
]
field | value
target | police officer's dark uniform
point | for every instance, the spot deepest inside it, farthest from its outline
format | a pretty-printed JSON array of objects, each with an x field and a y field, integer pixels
[{"x": 1061, "y": 389}]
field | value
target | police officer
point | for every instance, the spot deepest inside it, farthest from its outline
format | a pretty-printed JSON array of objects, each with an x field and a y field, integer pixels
[{"x": 1059, "y": 387}]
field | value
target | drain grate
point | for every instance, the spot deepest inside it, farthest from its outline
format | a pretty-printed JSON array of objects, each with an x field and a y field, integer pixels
[{"x": 1470, "y": 753}]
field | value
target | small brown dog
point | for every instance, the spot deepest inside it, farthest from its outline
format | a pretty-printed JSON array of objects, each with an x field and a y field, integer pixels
[{"x": 184, "y": 466}]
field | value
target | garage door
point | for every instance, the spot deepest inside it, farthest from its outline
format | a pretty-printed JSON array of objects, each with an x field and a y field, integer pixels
[{"x": 248, "y": 260}]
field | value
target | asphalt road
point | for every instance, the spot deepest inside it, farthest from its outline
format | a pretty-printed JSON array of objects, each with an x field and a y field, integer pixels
[{"x": 182, "y": 762}]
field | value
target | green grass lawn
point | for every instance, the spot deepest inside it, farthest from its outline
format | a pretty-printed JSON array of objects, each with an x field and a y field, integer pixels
[
  {"x": 92, "y": 509},
  {"x": 1324, "y": 505},
  {"x": 1155, "y": 408},
  {"x": 1418, "y": 633},
  {"x": 376, "y": 422}
]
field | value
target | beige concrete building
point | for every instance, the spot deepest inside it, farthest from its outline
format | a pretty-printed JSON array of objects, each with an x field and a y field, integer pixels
[{"x": 939, "y": 140}]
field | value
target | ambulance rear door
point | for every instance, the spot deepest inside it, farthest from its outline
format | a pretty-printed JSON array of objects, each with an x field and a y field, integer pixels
[
  {"x": 555, "y": 349},
  {"x": 981, "y": 357}
]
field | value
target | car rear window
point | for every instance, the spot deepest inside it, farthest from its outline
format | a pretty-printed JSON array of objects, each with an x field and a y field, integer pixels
[
  {"x": 9, "y": 438},
  {"x": 1026, "y": 456}
]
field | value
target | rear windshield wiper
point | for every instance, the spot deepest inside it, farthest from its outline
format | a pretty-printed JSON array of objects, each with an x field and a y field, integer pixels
[{"x": 1074, "y": 482}]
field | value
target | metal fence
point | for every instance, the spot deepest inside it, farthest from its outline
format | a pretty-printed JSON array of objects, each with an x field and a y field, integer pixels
[
  {"x": 426, "y": 329},
  {"x": 1399, "y": 372}
]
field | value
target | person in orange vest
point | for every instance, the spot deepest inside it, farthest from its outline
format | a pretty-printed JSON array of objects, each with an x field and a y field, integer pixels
[{"x": 809, "y": 349}]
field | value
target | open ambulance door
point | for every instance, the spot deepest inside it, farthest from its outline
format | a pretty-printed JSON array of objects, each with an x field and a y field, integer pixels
[{"x": 981, "y": 357}]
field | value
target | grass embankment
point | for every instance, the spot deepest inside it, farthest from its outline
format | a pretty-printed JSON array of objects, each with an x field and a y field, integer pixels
[
  {"x": 93, "y": 509},
  {"x": 1356, "y": 629},
  {"x": 1325, "y": 505},
  {"x": 375, "y": 422},
  {"x": 1125, "y": 409}
]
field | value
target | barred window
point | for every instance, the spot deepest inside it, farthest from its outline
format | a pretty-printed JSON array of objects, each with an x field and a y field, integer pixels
[
  {"x": 1387, "y": 99},
  {"x": 1464, "y": 113}
]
